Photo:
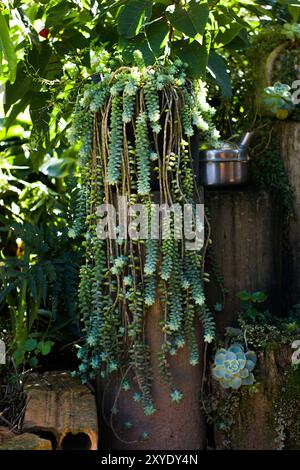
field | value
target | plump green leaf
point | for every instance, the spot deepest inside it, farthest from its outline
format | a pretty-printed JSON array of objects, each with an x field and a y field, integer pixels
[
  {"x": 217, "y": 68},
  {"x": 30, "y": 344},
  {"x": 33, "y": 362},
  {"x": 132, "y": 15},
  {"x": 45, "y": 347},
  {"x": 244, "y": 295},
  {"x": 18, "y": 355},
  {"x": 7, "y": 47},
  {"x": 259, "y": 297}
]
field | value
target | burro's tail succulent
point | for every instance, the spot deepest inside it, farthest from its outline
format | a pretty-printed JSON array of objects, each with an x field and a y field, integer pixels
[{"x": 233, "y": 366}]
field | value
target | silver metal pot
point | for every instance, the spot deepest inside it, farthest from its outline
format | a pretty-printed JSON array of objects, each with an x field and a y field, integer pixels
[{"x": 225, "y": 166}]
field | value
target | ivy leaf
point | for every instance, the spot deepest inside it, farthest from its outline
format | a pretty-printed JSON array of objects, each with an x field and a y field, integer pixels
[
  {"x": 218, "y": 307},
  {"x": 217, "y": 68},
  {"x": 7, "y": 47},
  {"x": 45, "y": 347},
  {"x": 33, "y": 361},
  {"x": 244, "y": 296},
  {"x": 132, "y": 15},
  {"x": 259, "y": 297},
  {"x": 30, "y": 344}
]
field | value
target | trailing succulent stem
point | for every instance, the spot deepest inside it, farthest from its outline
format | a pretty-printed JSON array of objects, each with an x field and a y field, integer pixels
[{"x": 134, "y": 128}]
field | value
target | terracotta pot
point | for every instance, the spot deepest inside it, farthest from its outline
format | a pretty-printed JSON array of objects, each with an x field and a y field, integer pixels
[{"x": 173, "y": 426}]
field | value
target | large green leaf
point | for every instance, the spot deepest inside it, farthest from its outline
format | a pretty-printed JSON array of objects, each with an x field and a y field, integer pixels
[
  {"x": 180, "y": 19},
  {"x": 30, "y": 344},
  {"x": 7, "y": 47},
  {"x": 58, "y": 167},
  {"x": 228, "y": 29},
  {"x": 199, "y": 12},
  {"x": 289, "y": 2},
  {"x": 132, "y": 15},
  {"x": 190, "y": 21},
  {"x": 140, "y": 43},
  {"x": 157, "y": 34},
  {"x": 194, "y": 54},
  {"x": 217, "y": 68},
  {"x": 240, "y": 42},
  {"x": 39, "y": 110},
  {"x": 15, "y": 91},
  {"x": 17, "y": 109},
  {"x": 39, "y": 57},
  {"x": 294, "y": 11},
  {"x": 45, "y": 347}
]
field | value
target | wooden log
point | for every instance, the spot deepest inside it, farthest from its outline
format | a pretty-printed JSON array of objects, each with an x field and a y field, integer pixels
[
  {"x": 246, "y": 233},
  {"x": 266, "y": 418},
  {"x": 290, "y": 151},
  {"x": 174, "y": 426}
]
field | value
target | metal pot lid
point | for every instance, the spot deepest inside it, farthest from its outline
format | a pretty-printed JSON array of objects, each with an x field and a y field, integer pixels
[{"x": 222, "y": 155}]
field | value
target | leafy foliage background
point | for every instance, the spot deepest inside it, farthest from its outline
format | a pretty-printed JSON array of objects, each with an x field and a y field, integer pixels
[{"x": 48, "y": 51}]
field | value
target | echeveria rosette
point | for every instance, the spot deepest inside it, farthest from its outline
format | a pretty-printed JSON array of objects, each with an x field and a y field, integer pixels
[{"x": 233, "y": 367}]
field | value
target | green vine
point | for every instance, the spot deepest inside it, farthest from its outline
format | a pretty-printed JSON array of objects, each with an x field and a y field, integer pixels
[{"x": 134, "y": 127}]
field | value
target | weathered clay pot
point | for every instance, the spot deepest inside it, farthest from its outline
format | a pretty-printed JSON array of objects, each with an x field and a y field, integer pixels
[{"x": 173, "y": 426}]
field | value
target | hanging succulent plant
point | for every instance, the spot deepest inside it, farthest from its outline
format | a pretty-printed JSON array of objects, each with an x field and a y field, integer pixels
[
  {"x": 134, "y": 127},
  {"x": 233, "y": 367}
]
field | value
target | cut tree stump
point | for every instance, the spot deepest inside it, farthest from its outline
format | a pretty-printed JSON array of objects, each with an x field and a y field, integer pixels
[
  {"x": 26, "y": 441},
  {"x": 268, "y": 418},
  {"x": 61, "y": 409},
  {"x": 246, "y": 233}
]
